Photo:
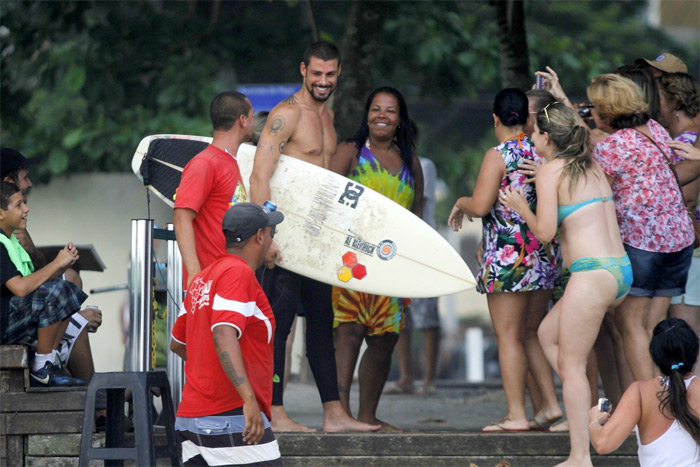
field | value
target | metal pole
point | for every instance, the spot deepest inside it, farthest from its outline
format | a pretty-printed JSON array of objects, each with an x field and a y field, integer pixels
[
  {"x": 141, "y": 295},
  {"x": 174, "y": 365}
]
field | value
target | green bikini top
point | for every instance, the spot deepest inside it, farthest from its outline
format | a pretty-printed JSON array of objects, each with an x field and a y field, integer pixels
[{"x": 564, "y": 211}]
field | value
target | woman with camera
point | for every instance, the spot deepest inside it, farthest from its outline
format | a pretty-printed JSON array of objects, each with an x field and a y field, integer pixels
[
  {"x": 655, "y": 227},
  {"x": 573, "y": 194},
  {"x": 663, "y": 411}
]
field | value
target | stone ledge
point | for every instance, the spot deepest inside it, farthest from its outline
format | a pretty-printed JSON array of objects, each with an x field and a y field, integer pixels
[
  {"x": 30, "y": 423},
  {"x": 449, "y": 461},
  {"x": 13, "y": 356},
  {"x": 433, "y": 444},
  {"x": 43, "y": 401}
]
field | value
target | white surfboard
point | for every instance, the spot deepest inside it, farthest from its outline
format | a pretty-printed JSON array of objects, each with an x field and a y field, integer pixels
[{"x": 342, "y": 233}]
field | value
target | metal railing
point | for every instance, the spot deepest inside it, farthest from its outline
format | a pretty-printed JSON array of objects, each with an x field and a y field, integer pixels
[{"x": 139, "y": 348}]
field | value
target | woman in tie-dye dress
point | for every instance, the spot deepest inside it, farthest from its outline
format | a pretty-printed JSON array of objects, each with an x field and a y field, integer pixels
[
  {"x": 380, "y": 156},
  {"x": 514, "y": 263}
]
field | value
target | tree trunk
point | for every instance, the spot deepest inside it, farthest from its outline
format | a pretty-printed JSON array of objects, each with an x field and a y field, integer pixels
[
  {"x": 358, "y": 52},
  {"x": 512, "y": 38}
]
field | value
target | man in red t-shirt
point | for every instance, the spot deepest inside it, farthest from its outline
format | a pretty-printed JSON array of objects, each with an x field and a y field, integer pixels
[
  {"x": 225, "y": 334},
  {"x": 211, "y": 183}
]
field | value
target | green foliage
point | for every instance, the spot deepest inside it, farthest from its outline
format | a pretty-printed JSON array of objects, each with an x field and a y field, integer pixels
[
  {"x": 83, "y": 81},
  {"x": 584, "y": 38},
  {"x": 442, "y": 49},
  {"x": 578, "y": 39},
  {"x": 459, "y": 169}
]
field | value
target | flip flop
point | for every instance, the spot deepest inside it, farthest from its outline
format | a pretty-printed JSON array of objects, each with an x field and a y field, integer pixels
[
  {"x": 562, "y": 427},
  {"x": 427, "y": 390},
  {"x": 502, "y": 429},
  {"x": 536, "y": 425},
  {"x": 394, "y": 388}
]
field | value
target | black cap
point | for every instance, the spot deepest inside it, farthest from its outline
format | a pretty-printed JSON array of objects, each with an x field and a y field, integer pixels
[
  {"x": 244, "y": 219},
  {"x": 12, "y": 160}
]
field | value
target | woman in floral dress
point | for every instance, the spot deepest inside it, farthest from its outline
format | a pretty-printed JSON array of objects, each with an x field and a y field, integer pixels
[{"x": 514, "y": 262}]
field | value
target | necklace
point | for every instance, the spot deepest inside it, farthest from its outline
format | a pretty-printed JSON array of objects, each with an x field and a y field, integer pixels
[
  {"x": 519, "y": 137},
  {"x": 367, "y": 145}
]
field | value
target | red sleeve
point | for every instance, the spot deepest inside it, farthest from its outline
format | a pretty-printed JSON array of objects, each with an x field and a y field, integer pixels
[
  {"x": 233, "y": 303},
  {"x": 180, "y": 329},
  {"x": 195, "y": 184}
]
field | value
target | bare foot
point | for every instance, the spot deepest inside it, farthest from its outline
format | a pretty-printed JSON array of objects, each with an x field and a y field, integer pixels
[
  {"x": 335, "y": 420},
  {"x": 572, "y": 463},
  {"x": 386, "y": 427},
  {"x": 281, "y": 422},
  {"x": 562, "y": 427},
  {"x": 399, "y": 388},
  {"x": 506, "y": 425}
]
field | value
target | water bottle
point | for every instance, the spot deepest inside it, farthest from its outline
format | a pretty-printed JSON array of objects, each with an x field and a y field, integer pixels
[{"x": 269, "y": 206}]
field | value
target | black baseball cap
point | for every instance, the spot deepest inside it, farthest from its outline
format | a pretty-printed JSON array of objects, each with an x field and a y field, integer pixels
[
  {"x": 244, "y": 219},
  {"x": 12, "y": 160}
]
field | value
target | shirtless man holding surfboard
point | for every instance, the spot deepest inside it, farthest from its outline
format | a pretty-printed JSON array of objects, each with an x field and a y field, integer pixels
[{"x": 301, "y": 126}]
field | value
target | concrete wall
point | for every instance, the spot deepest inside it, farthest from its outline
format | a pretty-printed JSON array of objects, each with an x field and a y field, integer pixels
[{"x": 97, "y": 209}]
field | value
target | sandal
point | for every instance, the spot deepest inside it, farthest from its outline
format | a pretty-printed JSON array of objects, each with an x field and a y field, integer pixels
[
  {"x": 544, "y": 425},
  {"x": 394, "y": 388},
  {"x": 501, "y": 428}
]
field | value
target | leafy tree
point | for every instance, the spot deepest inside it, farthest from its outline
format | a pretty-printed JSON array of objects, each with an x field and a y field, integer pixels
[
  {"x": 83, "y": 81},
  {"x": 362, "y": 40},
  {"x": 512, "y": 39}
]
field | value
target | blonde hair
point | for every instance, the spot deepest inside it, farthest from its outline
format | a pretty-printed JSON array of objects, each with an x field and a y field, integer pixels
[
  {"x": 571, "y": 139},
  {"x": 681, "y": 91},
  {"x": 619, "y": 101}
]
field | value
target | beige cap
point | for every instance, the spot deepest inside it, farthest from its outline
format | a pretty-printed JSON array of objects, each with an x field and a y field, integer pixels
[{"x": 667, "y": 63}]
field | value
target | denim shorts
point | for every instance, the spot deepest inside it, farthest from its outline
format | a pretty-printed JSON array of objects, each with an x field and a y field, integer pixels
[
  {"x": 659, "y": 274},
  {"x": 692, "y": 287}
]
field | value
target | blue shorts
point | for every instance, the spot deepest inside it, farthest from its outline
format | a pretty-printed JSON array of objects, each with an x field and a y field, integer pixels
[
  {"x": 659, "y": 274},
  {"x": 692, "y": 287}
]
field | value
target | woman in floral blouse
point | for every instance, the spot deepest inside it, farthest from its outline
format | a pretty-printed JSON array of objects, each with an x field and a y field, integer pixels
[
  {"x": 514, "y": 262},
  {"x": 654, "y": 224}
]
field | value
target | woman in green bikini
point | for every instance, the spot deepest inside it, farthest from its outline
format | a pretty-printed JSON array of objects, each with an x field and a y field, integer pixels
[{"x": 574, "y": 196}]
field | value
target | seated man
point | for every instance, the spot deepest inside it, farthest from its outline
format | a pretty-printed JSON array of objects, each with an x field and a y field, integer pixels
[
  {"x": 225, "y": 334},
  {"x": 33, "y": 304},
  {"x": 14, "y": 167}
]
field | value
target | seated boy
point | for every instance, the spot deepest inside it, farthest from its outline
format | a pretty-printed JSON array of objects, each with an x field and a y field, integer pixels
[{"x": 32, "y": 304}]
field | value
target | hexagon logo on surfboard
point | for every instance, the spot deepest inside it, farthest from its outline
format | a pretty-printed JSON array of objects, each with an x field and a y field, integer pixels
[{"x": 351, "y": 268}]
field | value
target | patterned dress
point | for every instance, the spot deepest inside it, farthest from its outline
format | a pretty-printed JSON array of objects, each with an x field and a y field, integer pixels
[
  {"x": 378, "y": 313},
  {"x": 513, "y": 259}
]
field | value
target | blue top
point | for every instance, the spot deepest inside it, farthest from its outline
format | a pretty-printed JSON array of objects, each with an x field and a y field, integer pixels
[{"x": 564, "y": 211}]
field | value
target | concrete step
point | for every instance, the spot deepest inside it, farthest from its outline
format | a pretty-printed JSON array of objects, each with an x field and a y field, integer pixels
[
  {"x": 449, "y": 461},
  {"x": 400, "y": 450},
  {"x": 436, "y": 448}
]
